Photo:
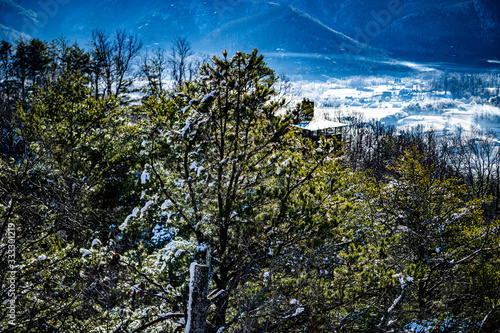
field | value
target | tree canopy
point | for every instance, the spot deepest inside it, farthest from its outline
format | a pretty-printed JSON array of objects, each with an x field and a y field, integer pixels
[{"x": 105, "y": 204}]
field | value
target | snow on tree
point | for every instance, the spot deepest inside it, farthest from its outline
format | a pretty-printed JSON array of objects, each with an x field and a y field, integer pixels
[{"x": 214, "y": 174}]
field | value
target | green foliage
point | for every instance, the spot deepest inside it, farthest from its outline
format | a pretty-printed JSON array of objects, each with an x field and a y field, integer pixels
[
  {"x": 62, "y": 198},
  {"x": 434, "y": 238},
  {"x": 230, "y": 179},
  {"x": 111, "y": 205},
  {"x": 30, "y": 61},
  {"x": 303, "y": 112},
  {"x": 86, "y": 141},
  {"x": 70, "y": 58}
]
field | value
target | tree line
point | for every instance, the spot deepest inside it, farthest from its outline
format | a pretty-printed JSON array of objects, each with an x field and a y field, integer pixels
[
  {"x": 465, "y": 85},
  {"x": 110, "y": 62},
  {"x": 471, "y": 156},
  {"x": 112, "y": 200}
]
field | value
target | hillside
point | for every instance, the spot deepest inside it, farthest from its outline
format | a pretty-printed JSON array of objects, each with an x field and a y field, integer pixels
[
  {"x": 322, "y": 30},
  {"x": 443, "y": 30}
]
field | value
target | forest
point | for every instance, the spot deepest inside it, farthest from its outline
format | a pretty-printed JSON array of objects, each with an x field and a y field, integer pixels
[{"x": 112, "y": 184}]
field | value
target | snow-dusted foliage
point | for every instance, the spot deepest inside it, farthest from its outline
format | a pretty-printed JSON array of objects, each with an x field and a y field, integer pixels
[
  {"x": 104, "y": 209},
  {"x": 225, "y": 185}
]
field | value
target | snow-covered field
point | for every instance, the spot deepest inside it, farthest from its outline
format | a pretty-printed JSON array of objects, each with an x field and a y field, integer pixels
[{"x": 402, "y": 102}]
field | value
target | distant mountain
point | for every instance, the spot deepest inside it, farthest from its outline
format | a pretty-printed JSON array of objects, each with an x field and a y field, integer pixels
[
  {"x": 429, "y": 30},
  {"x": 285, "y": 29},
  {"x": 315, "y": 34}
]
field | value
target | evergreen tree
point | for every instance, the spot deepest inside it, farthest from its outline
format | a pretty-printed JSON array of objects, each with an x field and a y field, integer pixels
[
  {"x": 436, "y": 240},
  {"x": 231, "y": 184},
  {"x": 62, "y": 199}
]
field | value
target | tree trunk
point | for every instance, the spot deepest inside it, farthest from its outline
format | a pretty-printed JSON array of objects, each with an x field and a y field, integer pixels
[
  {"x": 220, "y": 311},
  {"x": 198, "y": 301}
]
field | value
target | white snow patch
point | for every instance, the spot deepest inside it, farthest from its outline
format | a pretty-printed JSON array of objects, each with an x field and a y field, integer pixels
[
  {"x": 125, "y": 223},
  {"x": 296, "y": 313},
  {"x": 85, "y": 252},
  {"x": 202, "y": 247},
  {"x": 144, "y": 177},
  {"x": 146, "y": 206},
  {"x": 438, "y": 123},
  {"x": 186, "y": 127},
  {"x": 167, "y": 203},
  {"x": 198, "y": 169},
  {"x": 162, "y": 233},
  {"x": 136, "y": 288},
  {"x": 207, "y": 96}
]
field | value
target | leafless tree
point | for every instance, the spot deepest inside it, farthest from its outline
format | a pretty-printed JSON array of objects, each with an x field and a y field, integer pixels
[
  {"x": 477, "y": 159},
  {"x": 126, "y": 48},
  {"x": 112, "y": 58},
  {"x": 102, "y": 60},
  {"x": 179, "y": 64},
  {"x": 195, "y": 64},
  {"x": 153, "y": 68},
  {"x": 284, "y": 90}
]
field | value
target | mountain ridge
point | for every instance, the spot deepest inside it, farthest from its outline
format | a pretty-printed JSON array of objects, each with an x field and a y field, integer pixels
[{"x": 441, "y": 30}]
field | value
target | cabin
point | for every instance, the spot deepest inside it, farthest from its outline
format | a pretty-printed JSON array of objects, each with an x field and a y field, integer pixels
[{"x": 317, "y": 128}]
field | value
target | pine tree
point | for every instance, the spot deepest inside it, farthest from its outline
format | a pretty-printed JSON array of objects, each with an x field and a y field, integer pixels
[
  {"x": 230, "y": 183},
  {"x": 62, "y": 198},
  {"x": 436, "y": 240}
]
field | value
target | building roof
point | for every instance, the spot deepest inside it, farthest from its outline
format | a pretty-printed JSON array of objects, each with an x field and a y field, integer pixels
[{"x": 320, "y": 124}]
